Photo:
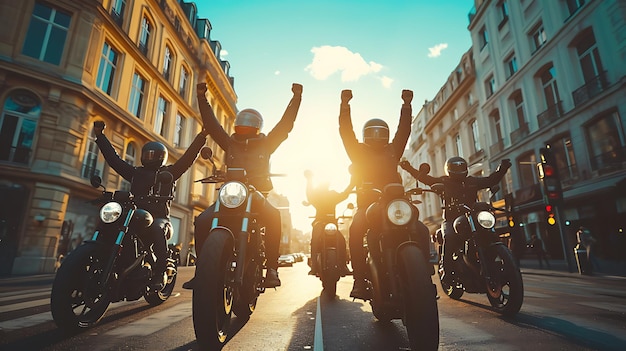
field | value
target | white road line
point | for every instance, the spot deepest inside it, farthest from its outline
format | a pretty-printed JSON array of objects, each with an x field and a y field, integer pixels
[
  {"x": 23, "y": 305},
  {"x": 154, "y": 322},
  {"x": 25, "y": 322},
  {"x": 318, "y": 341},
  {"x": 25, "y": 296}
]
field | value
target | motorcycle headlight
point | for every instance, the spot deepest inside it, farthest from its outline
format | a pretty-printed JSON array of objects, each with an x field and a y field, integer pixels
[
  {"x": 486, "y": 219},
  {"x": 399, "y": 212},
  {"x": 233, "y": 194},
  {"x": 330, "y": 228},
  {"x": 110, "y": 212}
]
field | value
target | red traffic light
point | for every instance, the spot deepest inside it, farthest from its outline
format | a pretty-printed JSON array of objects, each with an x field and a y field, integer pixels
[
  {"x": 548, "y": 171},
  {"x": 548, "y": 208}
]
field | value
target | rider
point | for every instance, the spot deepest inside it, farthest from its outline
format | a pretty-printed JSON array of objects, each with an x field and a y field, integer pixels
[
  {"x": 142, "y": 179},
  {"x": 375, "y": 162},
  {"x": 325, "y": 200},
  {"x": 459, "y": 188},
  {"x": 250, "y": 149}
]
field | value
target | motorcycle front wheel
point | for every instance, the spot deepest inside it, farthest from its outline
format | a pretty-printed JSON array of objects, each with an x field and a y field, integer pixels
[
  {"x": 453, "y": 290},
  {"x": 420, "y": 299},
  {"x": 78, "y": 298},
  {"x": 155, "y": 298},
  {"x": 212, "y": 294},
  {"x": 330, "y": 273},
  {"x": 505, "y": 289}
]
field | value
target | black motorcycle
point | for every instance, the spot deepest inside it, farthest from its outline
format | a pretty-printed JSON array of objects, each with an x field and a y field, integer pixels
[
  {"x": 399, "y": 272},
  {"x": 483, "y": 265},
  {"x": 114, "y": 265},
  {"x": 229, "y": 271}
]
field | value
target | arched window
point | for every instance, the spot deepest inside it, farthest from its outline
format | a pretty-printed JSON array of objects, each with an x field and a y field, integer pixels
[
  {"x": 144, "y": 35},
  {"x": 18, "y": 124}
]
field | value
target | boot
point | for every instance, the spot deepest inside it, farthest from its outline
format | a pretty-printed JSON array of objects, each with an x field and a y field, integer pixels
[
  {"x": 360, "y": 290},
  {"x": 271, "y": 278},
  {"x": 189, "y": 285}
]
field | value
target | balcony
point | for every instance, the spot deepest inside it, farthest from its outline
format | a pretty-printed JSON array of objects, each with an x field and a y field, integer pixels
[
  {"x": 117, "y": 17},
  {"x": 591, "y": 89},
  {"x": 476, "y": 156},
  {"x": 553, "y": 113},
  {"x": 519, "y": 134},
  {"x": 88, "y": 170},
  {"x": 15, "y": 154},
  {"x": 496, "y": 148},
  {"x": 608, "y": 162},
  {"x": 143, "y": 48}
]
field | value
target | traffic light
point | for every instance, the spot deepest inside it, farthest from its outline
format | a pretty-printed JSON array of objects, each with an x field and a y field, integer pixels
[
  {"x": 511, "y": 222},
  {"x": 550, "y": 215},
  {"x": 549, "y": 175}
]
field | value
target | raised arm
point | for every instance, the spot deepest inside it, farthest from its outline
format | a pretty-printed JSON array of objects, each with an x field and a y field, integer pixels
[
  {"x": 110, "y": 155},
  {"x": 280, "y": 132},
  {"x": 209, "y": 121},
  {"x": 496, "y": 176},
  {"x": 190, "y": 155},
  {"x": 346, "y": 130},
  {"x": 404, "y": 126}
]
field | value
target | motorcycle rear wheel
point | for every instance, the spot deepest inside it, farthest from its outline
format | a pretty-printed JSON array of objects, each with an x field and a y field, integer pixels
[
  {"x": 212, "y": 300},
  {"x": 330, "y": 273},
  {"x": 78, "y": 300},
  {"x": 505, "y": 290},
  {"x": 421, "y": 315}
]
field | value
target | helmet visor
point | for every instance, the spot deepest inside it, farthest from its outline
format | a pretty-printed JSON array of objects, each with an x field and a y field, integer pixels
[{"x": 376, "y": 135}]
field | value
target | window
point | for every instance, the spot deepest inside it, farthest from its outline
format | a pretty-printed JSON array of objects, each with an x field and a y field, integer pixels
[
  {"x": 475, "y": 136},
  {"x": 605, "y": 138},
  {"x": 144, "y": 35},
  {"x": 135, "y": 104},
  {"x": 518, "y": 107},
  {"x": 47, "y": 31},
  {"x": 563, "y": 151},
  {"x": 527, "y": 169},
  {"x": 503, "y": 11},
  {"x": 490, "y": 86},
  {"x": 459, "y": 145},
  {"x": 538, "y": 37},
  {"x": 182, "y": 84},
  {"x": 574, "y": 5},
  {"x": 161, "y": 116},
  {"x": 179, "y": 130},
  {"x": 18, "y": 123},
  {"x": 106, "y": 70},
  {"x": 589, "y": 57},
  {"x": 496, "y": 125},
  {"x": 167, "y": 63},
  {"x": 483, "y": 38},
  {"x": 511, "y": 66},
  {"x": 550, "y": 88},
  {"x": 117, "y": 11},
  {"x": 90, "y": 163}
]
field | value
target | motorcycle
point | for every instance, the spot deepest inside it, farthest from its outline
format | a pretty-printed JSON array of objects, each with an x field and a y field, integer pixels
[
  {"x": 229, "y": 271},
  {"x": 483, "y": 265},
  {"x": 114, "y": 265},
  {"x": 399, "y": 273},
  {"x": 327, "y": 259}
]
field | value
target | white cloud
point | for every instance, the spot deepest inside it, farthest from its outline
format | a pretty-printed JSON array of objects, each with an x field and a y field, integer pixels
[
  {"x": 276, "y": 73},
  {"x": 436, "y": 50},
  {"x": 223, "y": 53},
  {"x": 386, "y": 81},
  {"x": 328, "y": 60}
]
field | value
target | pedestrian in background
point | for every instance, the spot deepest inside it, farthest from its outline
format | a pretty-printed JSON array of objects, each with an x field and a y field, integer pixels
[
  {"x": 536, "y": 245},
  {"x": 587, "y": 241}
]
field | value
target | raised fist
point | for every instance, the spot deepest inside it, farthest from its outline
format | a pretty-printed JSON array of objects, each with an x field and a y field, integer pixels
[
  {"x": 98, "y": 127},
  {"x": 296, "y": 89},
  {"x": 506, "y": 163},
  {"x": 201, "y": 88},
  {"x": 404, "y": 164},
  {"x": 346, "y": 95},
  {"x": 407, "y": 96}
]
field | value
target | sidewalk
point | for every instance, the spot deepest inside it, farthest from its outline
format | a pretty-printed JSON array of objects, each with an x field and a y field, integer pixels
[{"x": 559, "y": 267}]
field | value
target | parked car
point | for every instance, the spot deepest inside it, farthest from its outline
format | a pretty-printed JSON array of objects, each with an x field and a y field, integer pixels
[{"x": 286, "y": 260}]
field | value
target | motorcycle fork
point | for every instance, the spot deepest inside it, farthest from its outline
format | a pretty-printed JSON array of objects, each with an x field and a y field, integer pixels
[
  {"x": 243, "y": 242},
  {"x": 118, "y": 245}
]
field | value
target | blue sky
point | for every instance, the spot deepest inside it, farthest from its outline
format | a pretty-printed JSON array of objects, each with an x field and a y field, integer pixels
[{"x": 375, "y": 48}]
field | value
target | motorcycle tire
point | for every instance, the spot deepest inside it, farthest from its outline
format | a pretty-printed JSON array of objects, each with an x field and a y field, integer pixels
[
  {"x": 421, "y": 316},
  {"x": 505, "y": 290},
  {"x": 330, "y": 274},
  {"x": 453, "y": 290},
  {"x": 245, "y": 303},
  {"x": 77, "y": 299},
  {"x": 212, "y": 299},
  {"x": 155, "y": 298}
]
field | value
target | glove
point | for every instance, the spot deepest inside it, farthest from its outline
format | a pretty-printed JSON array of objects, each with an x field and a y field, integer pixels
[
  {"x": 407, "y": 96},
  {"x": 505, "y": 164},
  {"x": 296, "y": 89},
  {"x": 98, "y": 127},
  {"x": 346, "y": 96},
  {"x": 404, "y": 164}
]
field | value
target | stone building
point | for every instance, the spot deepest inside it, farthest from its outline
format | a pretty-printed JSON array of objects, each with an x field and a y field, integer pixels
[{"x": 65, "y": 64}]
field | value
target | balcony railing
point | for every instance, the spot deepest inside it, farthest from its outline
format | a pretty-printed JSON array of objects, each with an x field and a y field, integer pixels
[
  {"x": 591, "y": 89},
  {"x": 550, "y": 115},
  {"x": 609, "y": 161},
  {"x": 143, "y": 48},
  {"x": 117, "y": 17},
  {"x": 496, "y": 148},
  {"x": 519, "y": 134},
  {"x": 89, "y": 170},
  {"x": 16, "y": 154}
]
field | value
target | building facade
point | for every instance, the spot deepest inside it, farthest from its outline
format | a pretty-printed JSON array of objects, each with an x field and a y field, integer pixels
[
  {"x": 551, "y": 74},
  {"x": 65, "y": 64}
]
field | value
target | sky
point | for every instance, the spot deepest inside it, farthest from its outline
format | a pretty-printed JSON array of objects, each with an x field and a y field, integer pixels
[{"x": 374, "y": 48}]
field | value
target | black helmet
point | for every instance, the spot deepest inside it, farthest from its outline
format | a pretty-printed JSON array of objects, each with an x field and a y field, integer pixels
[
  {"x": 248, "y": 121},
  {"x": 376, "y": 132},
  {"x": 456, "y": 167},
  {"x": 153, "y": 155}
]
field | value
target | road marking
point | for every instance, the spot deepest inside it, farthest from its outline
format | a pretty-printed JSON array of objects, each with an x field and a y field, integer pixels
[
  {"x": 318, "y": 340},
  {"x": 154, "y": 322},
  {"x": 605, "y": 306},
  {"x": 11, "y": 295},
  {"x": 24, "y": 305}
]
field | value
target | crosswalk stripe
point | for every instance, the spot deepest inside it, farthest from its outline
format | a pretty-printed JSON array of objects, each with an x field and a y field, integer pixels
[
  {"x": 154, "y": 322},
  {"x": 23, "y": 305}
]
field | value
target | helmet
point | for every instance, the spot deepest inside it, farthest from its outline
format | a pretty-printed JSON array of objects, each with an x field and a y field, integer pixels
[
  {"x": 248, "y": 121},
  {"x": 456, "y": 167},
  {"x": 153, "y": 155},
  {"x": 376, "y": 132}
]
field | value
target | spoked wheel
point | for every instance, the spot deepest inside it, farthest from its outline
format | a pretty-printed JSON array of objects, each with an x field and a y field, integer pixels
[
  {"x": 249, "y": 293},
  {"x": 420, "y": 299},
  {"x": 505, "y": 289},
  {"x": 78, "y": 299},
  {"x": 156, "y": 298},
  {"x": 212, "y": 295},
  {"x": 453, "y": 290}
]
